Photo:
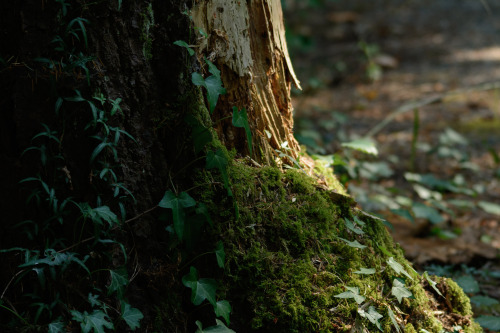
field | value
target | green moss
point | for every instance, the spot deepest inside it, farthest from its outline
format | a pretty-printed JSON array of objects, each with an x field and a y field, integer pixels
[
  {"x": 459, "y": 301},
  {"x": 323, "y": 168},
  {"x": 285, "y": 261},
  {"x": 148, "y": 21},
  {"x": 410, "y": 329}
]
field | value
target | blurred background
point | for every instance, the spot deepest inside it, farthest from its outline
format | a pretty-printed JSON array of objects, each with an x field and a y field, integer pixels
[{"x": 402, "y": 99}]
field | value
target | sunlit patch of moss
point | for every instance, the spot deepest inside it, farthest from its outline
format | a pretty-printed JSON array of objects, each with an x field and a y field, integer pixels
[
  {"x": 286, "y": 262},
  {"x": 324, "y": 170},
  {"x": 459, "y": 301}
]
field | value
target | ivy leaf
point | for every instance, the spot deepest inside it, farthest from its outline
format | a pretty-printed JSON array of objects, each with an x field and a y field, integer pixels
[
  {"x": 399, "y": 290},
  {"x": 218, "y": 328},
  {"x": 358, "y": 221},
  {"x": 393, "y": 319},
  {"x": 177, "y": 204},
  {"x": 490, "y": 322},
  {"x": 214, "y": 89},
  {"x": 432, "y": 284},
  {"x": 372, "y": 315},
  {"x": 219, "y": 160},
  {"x": 364, "y": 145},
  {"x": 397, "y": 267},
  {"x": 468, "y": 284},
  {"x": 366, "y": 271},
  {"x": 198, "y": 80},
  {"x": 203, "y": 210},
  {"x": 483, "y": 300},
  {"x": 132, "y": 316},
  {"x": 119, "y": 281},
  {"x": 56, "y": 326},
  {"x": 352, "y": 292},
  {"x": 349, "y": 225},
  {"x": 98, "y": 214},
  {"x": 355, "y": 243},
  {"x": 403, "y": 213},
  {"x": 106, "y": 214},
  {"x": 182, "y": 43},
  {"x": 220, "y": 254},
  {"x": 223, "y": 309},
  {"x": 213, "y": 85},
  {"x": 97, "y": 320},
  {"x": 201, "y": 136},
  {"x": 426, "y": 212},
  {"x": 240, "y": 119},
  {"x": 201, "y": 289},
  {"x": 212, "y": 68},
  {"x": 489, "y": 207}
]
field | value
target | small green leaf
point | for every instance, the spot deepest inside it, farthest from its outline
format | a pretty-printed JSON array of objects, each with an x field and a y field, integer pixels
[
  {"x": 372, "y": 315},
  {"x": 358, "y": 221},
  {"x": 240, "y": 119},
  {"x": 220, "y": 254},
  {"x": 182, "y": 43},
  {"x": 201, "y": 134},
  {"x": 96, "y": 320},
  {"x": 201, "y": 289},
  {"x": 366, "y": 271},
  {"x": 104, "y": 213},
  {"x": 363, "y": 145},
  {"x": 198, "y": 80},
  {"x": 393, "y": 319},
  {"x": 384, "y": 250},
  {"x": 223, "y": 309},
  {"x": 348, "y": 223},
  {"x": 212, "y": 68},
  {"x": 489, "y": 322},
  {"x": 355, "y": 243},
  {"x": 352, "y": 292},
  {"x": 399, "y": 290},
  {"x": 489, "y": 207},
  {"x": 119, "y": 281},
  {"x": 219, "y": 160},
  {"x": 397, "y": 267},
  {"x": 203, "y": 210},
  {"x": 432, "y": 283},
  {"x": 426, "y": 212},
  {"x": 177, "y": 204},
  {"x": 132, "y": 316},
  {"x": 213, "y": 84},
  {"x": 404, "y": 213},
  {"x": 218, "y": 328},
  {"x": 483, "y": 300},
  {"x": 468, "y": 284},
  {"x": 56, "y": 327}
]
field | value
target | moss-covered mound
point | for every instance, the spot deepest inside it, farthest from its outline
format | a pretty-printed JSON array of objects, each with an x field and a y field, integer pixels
[{"x": 301, "y": 258}]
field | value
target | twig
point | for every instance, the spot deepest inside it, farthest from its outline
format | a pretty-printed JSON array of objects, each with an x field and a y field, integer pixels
[
  {"x": 114, "y": 228},
  {"x": 8, "y": 284},
  {"x": 427, "y": 101}
]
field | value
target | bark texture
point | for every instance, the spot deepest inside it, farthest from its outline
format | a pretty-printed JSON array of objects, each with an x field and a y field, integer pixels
[{"x": 247, "y": 40}]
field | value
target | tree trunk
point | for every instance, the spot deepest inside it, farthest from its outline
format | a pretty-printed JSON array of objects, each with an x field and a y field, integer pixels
[
  {"x": 247, "y": 40},
  {"x": 129, "y": 181}
]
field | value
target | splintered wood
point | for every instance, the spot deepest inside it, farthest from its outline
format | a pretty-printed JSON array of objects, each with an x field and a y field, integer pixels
[{"x": 246, "y": 41}]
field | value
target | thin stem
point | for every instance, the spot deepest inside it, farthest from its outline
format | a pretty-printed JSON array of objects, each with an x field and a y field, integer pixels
[{"x": 114, "y": 228}]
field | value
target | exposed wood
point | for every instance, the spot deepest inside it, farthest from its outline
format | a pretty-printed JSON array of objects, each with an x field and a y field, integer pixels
[{"x": 247, "y": 42}]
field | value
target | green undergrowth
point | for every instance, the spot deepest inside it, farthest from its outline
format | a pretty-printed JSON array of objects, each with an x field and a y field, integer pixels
[{"x": 291, "y": 257}]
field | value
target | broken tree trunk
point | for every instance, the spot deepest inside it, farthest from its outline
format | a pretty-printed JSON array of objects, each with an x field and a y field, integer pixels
[{"x": 246, "y": 40}]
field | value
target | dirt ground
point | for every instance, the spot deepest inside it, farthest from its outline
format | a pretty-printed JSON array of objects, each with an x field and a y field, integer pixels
[{"x": 416, "y": 51}]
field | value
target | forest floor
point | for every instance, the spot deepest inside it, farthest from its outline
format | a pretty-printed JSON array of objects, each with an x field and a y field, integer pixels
[{"x": 438, "y": 62}]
